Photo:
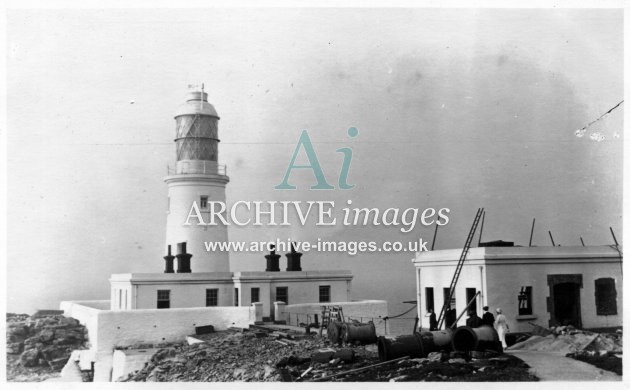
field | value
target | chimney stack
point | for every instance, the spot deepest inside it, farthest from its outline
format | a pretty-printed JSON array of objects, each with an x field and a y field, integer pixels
[
  {"x": 293, "y": 259},
  {"x": 183, "y": 259},
  {"x": 273, "y": 261},
  {"x": 169, "y": 262}
]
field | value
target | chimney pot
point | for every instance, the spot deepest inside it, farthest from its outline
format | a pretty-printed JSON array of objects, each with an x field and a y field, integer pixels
[
  {"x": 293, "y": 259},
  {"x": 183, "y": 259},
  {"x": 273, "y": 261},
  {"x": 168, "y": 269}
]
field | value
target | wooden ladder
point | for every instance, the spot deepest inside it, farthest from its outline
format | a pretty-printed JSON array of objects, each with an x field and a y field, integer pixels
[
  {"x": 330, "y": 313},
  {"x": 458, "y": 268}
]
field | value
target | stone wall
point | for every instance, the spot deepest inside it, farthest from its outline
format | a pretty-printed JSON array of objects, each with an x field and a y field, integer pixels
[{"x": 362, "y": 311}]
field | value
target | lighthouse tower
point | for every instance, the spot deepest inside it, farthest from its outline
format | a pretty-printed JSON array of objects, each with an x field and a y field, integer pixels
[{"x": 197, "y": 177}]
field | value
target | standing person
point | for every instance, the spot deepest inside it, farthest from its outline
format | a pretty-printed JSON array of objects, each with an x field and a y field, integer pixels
[
  {"x": 432, "y": 320},
  {"x": 487, "y": 318},
  {"x": 450, "y": 317},
  {"x": 473, "y": 320},
  {"x": 502, "y": 327}
]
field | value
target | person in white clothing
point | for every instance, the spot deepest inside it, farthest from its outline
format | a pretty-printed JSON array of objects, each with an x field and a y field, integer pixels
[{"x": 502, "y": 327}]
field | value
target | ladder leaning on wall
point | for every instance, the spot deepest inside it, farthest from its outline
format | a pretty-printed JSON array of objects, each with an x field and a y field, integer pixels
[
  {"x": 330, "y": 313},
  {"x": 458, "y": 268}
]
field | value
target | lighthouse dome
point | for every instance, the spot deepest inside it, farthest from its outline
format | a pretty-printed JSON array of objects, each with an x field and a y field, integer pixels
[{"x": 196, "y": 104}]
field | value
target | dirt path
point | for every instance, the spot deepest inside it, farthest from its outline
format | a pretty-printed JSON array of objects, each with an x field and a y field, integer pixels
[{"x": 550, "y": 366}]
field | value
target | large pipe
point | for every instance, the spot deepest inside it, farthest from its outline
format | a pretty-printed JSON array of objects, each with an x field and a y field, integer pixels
[
  {"x": 409, "y": 345},
  {"x": 416, "y": 345},
  {"x": 334, "y": 332},
  {"x": 436, "y": 340},
  {"x": 476, "y": 339},
  {"x": 362, "y": 333}
]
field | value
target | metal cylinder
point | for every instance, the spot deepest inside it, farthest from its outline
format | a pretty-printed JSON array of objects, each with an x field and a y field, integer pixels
[
  {"x": 476, "y": 339},
  {"x": 408, "y": 345},
  {"x": 333, "y": 331},
  {"x": 436, "y": 340},
  {"x": 357, "y": 332}
]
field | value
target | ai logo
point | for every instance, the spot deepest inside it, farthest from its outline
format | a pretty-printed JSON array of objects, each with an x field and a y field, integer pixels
[{"x": 322, "y": 184}]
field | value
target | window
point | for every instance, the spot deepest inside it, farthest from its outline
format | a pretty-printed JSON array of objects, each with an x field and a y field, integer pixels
[
  {"x": 203, "y": 202},
  {"x": 163, "y": 299},
  {"x": 525, "y": 301},
  {"x": 471, "y": 296},
  {"x": 212, "y": 297},
  {"x": 605, "y": 297},
  {"x": 236, "y": 300},
  {"x": 255, "y": 294},
  {"x": 429, "y": 300},
  {"x": 324, "y": 293},
  {"x": 282, "y": 294},
  {"x": 446, "y": 293}
]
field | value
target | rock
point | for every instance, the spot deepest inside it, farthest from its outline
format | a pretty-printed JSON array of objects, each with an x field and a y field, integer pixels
[
  {"x": 13, "y": 317},
  {"x": 323, "y": 356},
  {"x": 285, "y": 375},
  {"x": 17, "y": 329},
  {"x": 15, "y": 348},
  {"x": 47, "y": 335},
  {"x": 434, "y": 356},
  {"x": 32, "y": 342},
  {"x": 346, "y": 355},
  {"x": 58, "y": 363},
  {"x": 239, "y": 372},
  {"x": 268, "y": 371},
  {"x": 68, "y": 336},
  {"x": 30, "y": 358}
]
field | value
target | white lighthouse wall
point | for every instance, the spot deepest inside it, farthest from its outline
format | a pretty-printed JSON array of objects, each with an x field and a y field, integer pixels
[{"x": 183, "y": 190}]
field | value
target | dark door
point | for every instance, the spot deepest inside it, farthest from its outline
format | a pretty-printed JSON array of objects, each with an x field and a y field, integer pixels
[{"x": 566, "y": 304}]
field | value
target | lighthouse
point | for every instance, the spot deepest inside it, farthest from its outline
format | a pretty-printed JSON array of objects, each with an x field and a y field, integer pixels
[{"x": 197, "y": 177}]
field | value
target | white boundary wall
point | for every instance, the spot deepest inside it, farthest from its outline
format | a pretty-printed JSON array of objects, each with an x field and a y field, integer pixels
[
  {"x": 108, "y": 329},
  {"x": 364, "y": 311}
]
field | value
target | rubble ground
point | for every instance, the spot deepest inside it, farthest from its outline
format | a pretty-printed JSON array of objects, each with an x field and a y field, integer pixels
[
  {"x": 255, "y": 355},
  {"x": 39, "y": 346},
  {"x": 608, "y": 361},
  {"x": 603, "y": 350}
]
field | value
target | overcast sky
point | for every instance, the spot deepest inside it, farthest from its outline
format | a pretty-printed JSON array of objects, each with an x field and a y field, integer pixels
[{"x": 455, "y": 108}]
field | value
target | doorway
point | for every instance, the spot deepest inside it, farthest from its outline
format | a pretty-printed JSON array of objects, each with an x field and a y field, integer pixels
[
  {"x": 567, "y": 304},
  {"x": 565, "y": 307}
]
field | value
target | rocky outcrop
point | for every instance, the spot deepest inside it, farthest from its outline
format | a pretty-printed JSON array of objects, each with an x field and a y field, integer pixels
[{"x": 41, "y": 344}]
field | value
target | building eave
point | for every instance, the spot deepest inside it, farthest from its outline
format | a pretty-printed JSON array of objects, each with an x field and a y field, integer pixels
[{"x": 520, "y": 255}]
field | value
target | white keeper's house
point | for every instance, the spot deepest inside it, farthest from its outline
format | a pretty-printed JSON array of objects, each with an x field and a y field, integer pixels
[{"x": 549, "y": 286}]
